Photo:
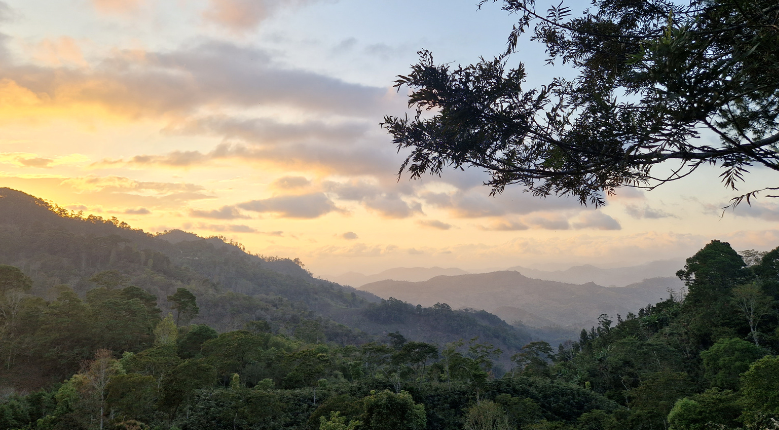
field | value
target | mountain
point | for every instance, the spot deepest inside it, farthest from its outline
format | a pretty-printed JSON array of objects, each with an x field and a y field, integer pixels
[
  {"x": 413, "y": 274},
  {"x": 617, "y": 277},
  {"x": 63, "y": 251},
  {"x": 513, "y": 296}
]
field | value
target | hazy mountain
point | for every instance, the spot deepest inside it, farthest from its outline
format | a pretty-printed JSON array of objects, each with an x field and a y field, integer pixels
[
  {"x": 413, "y": 274},
  {"x": 619, "y": 277},
  {"x": 513, "y": 296},
  {"x": 56, "y": 247}
]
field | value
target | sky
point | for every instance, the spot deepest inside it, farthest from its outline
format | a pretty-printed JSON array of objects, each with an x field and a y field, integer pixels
[{"x": 258, "y": 120}]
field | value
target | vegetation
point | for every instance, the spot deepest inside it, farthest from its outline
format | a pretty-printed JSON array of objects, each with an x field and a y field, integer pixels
[
  {"x": 157, "y": 345},
  {"x": 653, "y": 76}
]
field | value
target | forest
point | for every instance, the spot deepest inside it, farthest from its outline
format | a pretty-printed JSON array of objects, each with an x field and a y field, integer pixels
[{"x": 106, "y": 327}]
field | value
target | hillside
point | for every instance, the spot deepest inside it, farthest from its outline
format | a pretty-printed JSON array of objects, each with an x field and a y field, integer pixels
[
  {"x": 513, "y": 296},
  {"x": 63, "y": 251}
]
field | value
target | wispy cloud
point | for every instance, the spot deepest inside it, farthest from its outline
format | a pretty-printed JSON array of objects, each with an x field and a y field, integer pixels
[
  {"x": 434, "y": 224},
  {"x": 137, "y": 211},
  {"x": 305, "y": 206},
  {"x": 225, "y": 212}
]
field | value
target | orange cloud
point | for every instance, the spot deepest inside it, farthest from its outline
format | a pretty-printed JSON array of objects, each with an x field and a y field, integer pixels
[
  {"x": 236, "y": 15},
  {"x": 63, "y": 51}
]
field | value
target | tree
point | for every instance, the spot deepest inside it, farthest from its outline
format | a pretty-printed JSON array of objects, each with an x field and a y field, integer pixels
[
  {"x": 389, "y": 411},
  {"x": 727, "y": 359},
  {"x": 486, "y": 415},
  {"x": 754, "y": 305},
  {"x": 185, "y": 304},
  {"x": 760, "y": 391},
  {"x": 652, "y": 74}
]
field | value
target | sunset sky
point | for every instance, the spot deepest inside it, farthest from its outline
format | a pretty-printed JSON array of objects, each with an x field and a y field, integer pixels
[{"x": 259, "y": 120}]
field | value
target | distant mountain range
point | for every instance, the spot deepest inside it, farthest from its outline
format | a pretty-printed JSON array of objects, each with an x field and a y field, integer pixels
[
  {"x": 413, "y": 274},
  {"x": 535, "y": 302},
  {"x": 614, "y": 277}
]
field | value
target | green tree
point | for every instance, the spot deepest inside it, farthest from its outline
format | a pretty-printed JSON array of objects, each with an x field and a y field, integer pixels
[
  {"x": 189, "y": 345},
  {"x": 760, "y": 391},
  {"x": 486, "y": 415},
  {"x": 754, "y": 305},
  {"x": 337, "y": 422},
  {"x": 185, "y": 305},
  {"x": 386, "y": 410},
  {"x": 651, "y": 75},
  {"x": 109, "y": 279},
  {"x": 713, "y": 408},
  {"x": 727, "y": 359},
  {"x": 166, "y": 332}
]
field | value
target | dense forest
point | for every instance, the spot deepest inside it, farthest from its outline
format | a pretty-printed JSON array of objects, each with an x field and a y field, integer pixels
[{"x": 106, "y": 327}]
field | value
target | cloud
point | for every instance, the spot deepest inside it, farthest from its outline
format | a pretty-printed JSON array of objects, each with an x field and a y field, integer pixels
[
  {"x": 290, "y": 183},
  {"x": 355, "y": 190},
  {"x": 63, "y": 51},
  {"x": 476, "y": 203},
  {"x": 349, "y": 235},
  {"x": 122, "y": 191},
  {"x": 305, "y": 206},
  {"x": 548, "y": 222},
  {"x": 212, "y": 74},
  {"x": 506, "y": 226},
  {"x": 647, "y": 212},
  {"x": 227, "y": 228},
  {"x": 242, "y": 16},
  {"x": 225, "y": 212},
  {"x": 760, "y": 210},
  {"x": 596, "y": 221},
  {"x": 137, "y": 211},
  {"x": 23, "y": 159},
  {"x": 272, "y": 233},
  {"x": 439, "y": 225},
  {"x": 627, "y": 193},
  {"x": 116, "y": 6},
  {"x": 36, "y": 162},
  {"x": 6, "y": 13},
  {"x": 392, "y": 206}
]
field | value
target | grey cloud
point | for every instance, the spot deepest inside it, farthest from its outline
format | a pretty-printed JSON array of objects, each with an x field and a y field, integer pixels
[
  {"x": 211, "y": 73},
  {"x": 640, "y": 212},
  {"x": 392, "y": 206},
  {"x": 477, "y": 203},
  {"x": 384, "y": 51},
  {"x": 225, "y": 212},
  {"x": 345, "y": 45},
  {"x": 305, "y": 206},
  {"x": 549, "y": 223},
  {"x": 354, "y": 190},
  {"x": 137, "y": 211},
  {"x": 439, "y": 225},
  {"x": 760, "y": 210},
  {"x": 349, "y": 235},
  {"x": 269, "y": 131},
  {"x": 368, "y": 158},
  {"x": 291, "y": 182},
  {"x": 6, "y": 13},
  {"x": 506, "y": 226},
  {"x": 596, "y": 221}
]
